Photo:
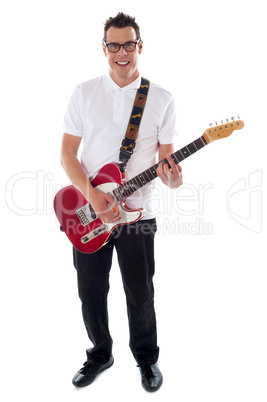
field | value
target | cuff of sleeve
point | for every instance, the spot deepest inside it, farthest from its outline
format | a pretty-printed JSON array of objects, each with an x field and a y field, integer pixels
[{"x": 72, "y": 131}]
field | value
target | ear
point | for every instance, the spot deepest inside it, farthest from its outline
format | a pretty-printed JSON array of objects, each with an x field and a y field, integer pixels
[
  {"x": 140, "y": 47},
  {"x": 104, "y": 49}
]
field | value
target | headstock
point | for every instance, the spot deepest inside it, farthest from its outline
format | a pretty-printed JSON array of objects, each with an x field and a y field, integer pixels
[{"x": 222, "y": 131}]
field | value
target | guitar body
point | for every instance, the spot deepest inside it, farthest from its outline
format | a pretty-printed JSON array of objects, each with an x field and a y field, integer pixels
[{"x": 78, "y": 220}]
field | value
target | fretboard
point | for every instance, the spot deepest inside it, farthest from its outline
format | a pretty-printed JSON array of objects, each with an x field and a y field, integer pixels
[{"x": 134, "y": 184}]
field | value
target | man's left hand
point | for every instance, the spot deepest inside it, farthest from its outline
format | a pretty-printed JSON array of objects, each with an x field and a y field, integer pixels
[{"x": 171, "y": 176}]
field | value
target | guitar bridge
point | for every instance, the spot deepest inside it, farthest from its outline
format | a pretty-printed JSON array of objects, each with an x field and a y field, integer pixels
[
  {"x": 86, "y": 214},
  {"x": 94, "y": 233}
]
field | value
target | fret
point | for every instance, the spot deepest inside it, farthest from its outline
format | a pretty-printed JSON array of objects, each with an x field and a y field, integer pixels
[
  {"x": 137, "y": 184},
  {"x": 180, "y": 156},
  {"x": 152, "y": 173},
  {"x": 133, "y": 186},
  {"x": 138, "y": 181},
  {"x": 185, "y": 152},
  {"x": 176, "y": 160},
  {"x": 203, "y": 140},
  {"x": 200, "y": 143},
  {"x": 142, "y": 179},
  {"x": 120, "y": 193},
  {"x": 191, "y": 148},
  {"x": 123, "y": 192},
  {"x": 149, "y": 175},
  {"x": 195, "y": 145},
  {"x": 187, "y": 147},
  {"x": 116, "y": 194},
  {"x": 127, "y": 189},
  {"x": 146, "y": 173}
]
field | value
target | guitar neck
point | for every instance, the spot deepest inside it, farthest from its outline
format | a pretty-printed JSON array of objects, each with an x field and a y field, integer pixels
[{"x": 137, "y": 182}]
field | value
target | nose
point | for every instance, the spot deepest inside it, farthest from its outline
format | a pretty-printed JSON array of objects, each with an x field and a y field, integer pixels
[{"x": 122, "y": 51}]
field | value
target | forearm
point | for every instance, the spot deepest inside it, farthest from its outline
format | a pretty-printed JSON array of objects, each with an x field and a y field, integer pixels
[
  {"x": 103, "y": 204},
  {"x": 75, "y": 173},
  {"x": 99, "y": 201}
]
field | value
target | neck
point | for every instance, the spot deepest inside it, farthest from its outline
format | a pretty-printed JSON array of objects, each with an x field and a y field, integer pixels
[{"x": 123, "y": 82}]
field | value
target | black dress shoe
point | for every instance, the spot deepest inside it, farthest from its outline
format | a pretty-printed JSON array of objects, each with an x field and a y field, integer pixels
[
  {"x": 89, "y": 371},
  {"x": 151, "y": 377}
]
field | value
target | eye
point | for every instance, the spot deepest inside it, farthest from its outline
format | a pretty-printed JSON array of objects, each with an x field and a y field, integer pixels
[
  {"x": 113, "y": 46},
  {"x": 130, "y": 46}
]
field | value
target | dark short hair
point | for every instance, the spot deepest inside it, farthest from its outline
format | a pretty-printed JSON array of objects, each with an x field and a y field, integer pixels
[{"x": 121, "y": 21}]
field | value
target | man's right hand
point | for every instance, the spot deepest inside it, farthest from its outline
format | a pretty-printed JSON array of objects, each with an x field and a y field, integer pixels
[{"x": 104, "y": 206}]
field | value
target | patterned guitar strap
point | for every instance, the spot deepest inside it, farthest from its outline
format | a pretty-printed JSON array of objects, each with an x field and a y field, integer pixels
[{"x": 128, "y": 143}]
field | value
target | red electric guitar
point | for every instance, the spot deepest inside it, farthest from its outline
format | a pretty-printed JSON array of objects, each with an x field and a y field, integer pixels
[{"x": 78, "y": 219}]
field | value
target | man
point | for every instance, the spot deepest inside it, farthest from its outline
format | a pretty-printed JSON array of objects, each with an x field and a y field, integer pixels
[{"x": 98, "y": 113}]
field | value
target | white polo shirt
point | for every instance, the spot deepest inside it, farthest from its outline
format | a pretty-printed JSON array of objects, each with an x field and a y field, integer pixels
[{"x": 99, "y": 112}]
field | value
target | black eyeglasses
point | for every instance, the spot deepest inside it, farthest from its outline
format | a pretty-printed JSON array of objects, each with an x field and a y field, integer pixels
[{"x": 128, "y": 46}]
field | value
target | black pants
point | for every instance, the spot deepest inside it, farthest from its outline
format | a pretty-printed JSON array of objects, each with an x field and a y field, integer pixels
[{"x": 135, "y": 249}]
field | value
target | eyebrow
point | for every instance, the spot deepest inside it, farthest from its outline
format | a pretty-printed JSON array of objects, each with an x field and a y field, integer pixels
[{"x": 118, "y": 43}]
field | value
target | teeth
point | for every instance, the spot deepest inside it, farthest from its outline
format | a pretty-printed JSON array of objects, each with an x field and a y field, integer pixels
[{"x": 122, "y": 62}]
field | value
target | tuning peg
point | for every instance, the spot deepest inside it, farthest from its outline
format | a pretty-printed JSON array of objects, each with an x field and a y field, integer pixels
[
  {"x": 227, "y": 121},
  {"x": 233, "y": 118},
  {"x": 222, "y": 121},
  {"x": 210, "y": 124},
  {"x": 216, "y": 123},
  {"x": 238, "y": 117}
]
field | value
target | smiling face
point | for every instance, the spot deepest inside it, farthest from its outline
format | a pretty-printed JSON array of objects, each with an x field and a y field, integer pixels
[{"x": 123, "y": 65}]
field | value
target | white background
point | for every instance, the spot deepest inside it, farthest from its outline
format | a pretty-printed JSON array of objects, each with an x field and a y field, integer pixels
[{"x": 210, "y": 250}]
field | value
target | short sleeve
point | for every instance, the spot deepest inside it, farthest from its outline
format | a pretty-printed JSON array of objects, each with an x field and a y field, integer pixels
[
  {"x": 168, "y": 129},
  {"x": 74, "y": 116}
]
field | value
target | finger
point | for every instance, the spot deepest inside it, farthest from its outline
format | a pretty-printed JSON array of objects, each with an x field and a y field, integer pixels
[
  {"x": 166, "y": 168},
  {"x": 164, "y": 171},
  {"x": 114, "y": 213},
  {"x": 160, "y": 168},
  {"x": 160, "y": 172},
  {"x": 173, "y": 166},
  {"x": 111, "y": 217},
  {"x": 113, "y": 206},
  {"x": 116, "y": 217},
  {"x": 170, "y": 173}
]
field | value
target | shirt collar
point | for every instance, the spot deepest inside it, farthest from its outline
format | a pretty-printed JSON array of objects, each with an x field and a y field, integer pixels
[{"x": 110, "y": 85}]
